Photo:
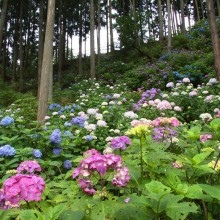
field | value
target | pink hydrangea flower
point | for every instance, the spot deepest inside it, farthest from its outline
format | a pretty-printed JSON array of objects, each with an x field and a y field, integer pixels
[
  {"x": 97, "y": 162},
  {"x": 23, "y": 187},
  {"x": 205, "y": 137},
  {"x": 29, "y": 166},
  {"x": 164, "y": 105}
]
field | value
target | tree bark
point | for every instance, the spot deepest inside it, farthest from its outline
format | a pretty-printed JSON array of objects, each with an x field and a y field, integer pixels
[
  {"x": 41, "y": 41},
  {"x": 2, "y": 21},
  {"x": 160, "y": 21},
  {"x": 92, "y": 48},
  {"x": 46, "y": 65},
  {"x": 80, "y": 39},
  {"x": 21, "y": 75},
  {"x": 218, "y": 6},
  {"x": 98, "y": 31},
  {"x": 214, "y": 35},
  {"x": 196, "y": 10},
  {"x": 111, "y": 26},
  {"x": 107, "y": 26},
  {"x": 183, "y": 27},
  {"x": 169, "y": 25},
  {"x": 60, "y": 59}
]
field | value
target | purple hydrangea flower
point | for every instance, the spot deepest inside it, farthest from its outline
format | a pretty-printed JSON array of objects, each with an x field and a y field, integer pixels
[
  {"x": 67, "y": 164},
  {"x": 88, "y": 138},
  {"x": 37, "y": 153},
  {"x": 120, "y": 142},
  {"x": 78, "y": 121},
  {"x": 29, "y": 166},
  {"x": 55, "y": 137},
  {"x": 57, "y": 151}
]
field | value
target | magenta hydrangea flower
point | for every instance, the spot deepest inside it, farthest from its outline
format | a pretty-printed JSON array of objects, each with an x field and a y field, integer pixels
[
  {"x": 23, "y": 187},
  {"x": 120, "y": 142},
  {"x": 29, "y": 166},
  {"x": 98, "y": 163},
  {"x": 205, "y": 137}
]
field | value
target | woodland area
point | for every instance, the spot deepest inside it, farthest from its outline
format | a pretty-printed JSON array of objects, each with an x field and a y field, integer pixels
[{"x": 128, "y": 131}]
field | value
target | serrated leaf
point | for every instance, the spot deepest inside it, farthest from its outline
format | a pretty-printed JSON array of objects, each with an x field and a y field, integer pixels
[
  {"x": 199, "y": 158},
  {"x": 72, "y": 215},
  {"x": 157, "y": 187},
  {"x": 194, "y": 192},
  {"x": 28, "y": 214},
  {"x": 213, "y": 191},
  {"x": 55, "y": 212},
  {"x": 55, "y": 163}
]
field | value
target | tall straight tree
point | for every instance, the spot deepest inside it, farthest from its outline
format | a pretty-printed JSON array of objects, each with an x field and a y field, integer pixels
[
  {"x": 160, "y": 21},
  {"x": 182, "y": 8},
  {"x": 46, "y": 65},
  {"x": 111, "y": 26},
  {"x": 92, "y": 46},
  {"x": 98, "y": 31},
  {"x": 2, "y": 20},
  {"x": 169, "y": 25},
  {"x": 80, "y": 38},
  {"x": 214, "y": 35}
]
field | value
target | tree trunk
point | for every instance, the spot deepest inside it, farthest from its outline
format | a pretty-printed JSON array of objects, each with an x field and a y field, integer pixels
[
  {"x": 107, "y": 26},
  {"x": 21, "y": 75},
  {"x": 183, "y": 28},
  {"x": 2, "y": 21},
  {"x": 160, "y": 21},
  {"x": 188, "y": 15},
  {"x": 214, "y": 35},
  {"x": 46, "y": 65},
  {"x": 3, "y": 71},
  {"x": 196, "y": 9},
  {"x": 218, "y": 6},
  {"x": 111, "y": 26},
  {"x": 92, "y": 48},
  {"x": 60, "y": 59},
  {"x": 169, "y": 25},
  {"x": 202, "y": 8},
  {"x": 41, "y": 41},
  {"x": 80, "y": 40},
  {"x": 98, "y": 31}
]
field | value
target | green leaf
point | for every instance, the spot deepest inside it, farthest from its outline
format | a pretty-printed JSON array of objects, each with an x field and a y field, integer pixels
[
  {"x": 157, "y": 187},
  {"x": 213, "y": 191},
  {"x": 55, "y": 163},
  {"x": 28, "y": 214},
  {"x": 199, "y": 158},
  {"x": 72, "y": 215},
  {"x": 194, "y": 192},
  {"x": 54, "y": 213}
]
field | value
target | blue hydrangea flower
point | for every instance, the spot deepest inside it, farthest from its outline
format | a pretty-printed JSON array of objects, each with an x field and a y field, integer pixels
[
  {"x": 78, "y": 121},
  {"x": 7, "y": 151},
  {"x": 57, "y": 151},
  {"x": 67, "y": 124},
  {"x": 67, "y": 133},
  {"x": 6, "y": 121},
  {"x": 67, "y": 164},
  {"x": 37, "y": 153},
  {"x": 88, "y": 138},
  {"x": 55, "y": 137},
  {"x": 53, "y": 106}
]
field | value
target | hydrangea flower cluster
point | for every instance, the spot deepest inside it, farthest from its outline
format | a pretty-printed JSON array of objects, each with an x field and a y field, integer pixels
[
  {"x": 37, "y": 153},
  {"x": 165, "y": 121},
  {"x": 55, "y": 137},
  {"x": 79, "y": 120},
  {"x": 7, "y": 151},
  {"x": 205, "y": 137},
  {"x": 6, "y": 121},
  {"x": 54, "y": 106},
  {"x": 29, "y": 166},
  {"x": 120, "y": 142},
  {"x": 98, "y": 163},
  {"x": 22, "y": 187}
]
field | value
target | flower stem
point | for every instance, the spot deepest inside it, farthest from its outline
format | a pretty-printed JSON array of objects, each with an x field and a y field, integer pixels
[{"x": 141, "y": 158}]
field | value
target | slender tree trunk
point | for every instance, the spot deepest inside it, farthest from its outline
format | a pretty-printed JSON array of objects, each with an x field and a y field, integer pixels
[
  {"x": 177, "y": 23},
  {"x": 3, "y": 75},
  {"x": 173, "y": 22},
  {"x": 169, "y": 25},
  {"x": 60, "y": 59},
  {"x": 111, "y": 26},
  {"x": 92, "y": 48},
  {"x": 218, "y": 6},
  {"x": 2, "y": 21},
  {"x": 41, "y": 42},
  {"x": 98, "y": 31},
  {"x": 26, "y": 59},
  {"x": 21, "y": 75},
  {"x": 214, "y": 35},
  {"x": 148, "y": 18},
  {"x": 183, "y": 28},
  {"x": 196, "y": 10},
  {"x": 202, "y": 8},
  {"x": 107, "y": 26},
  {"x": 71, "y": 54},
  {"x": 160, "y": 21},
  {"x": 188, "y": 14},
  {"x": 46, "y": 65},
  {"x": 80, "y": 40}
]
